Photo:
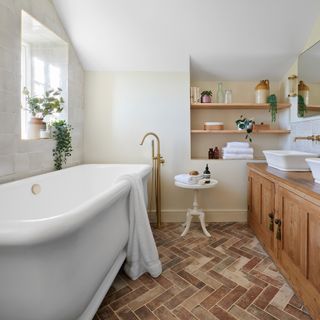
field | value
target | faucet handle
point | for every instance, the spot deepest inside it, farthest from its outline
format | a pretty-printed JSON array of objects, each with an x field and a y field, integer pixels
[{"x": 162, "y": 161}]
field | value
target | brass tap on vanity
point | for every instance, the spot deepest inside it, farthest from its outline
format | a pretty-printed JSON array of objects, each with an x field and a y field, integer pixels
[
  {"x": 284, "y": 213},
  {"x": 310, "y": 138}
]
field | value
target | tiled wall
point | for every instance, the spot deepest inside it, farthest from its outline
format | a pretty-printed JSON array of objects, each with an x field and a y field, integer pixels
[
  {"x": 24, "y": 158},
  {"x": 305, "y": 128}
]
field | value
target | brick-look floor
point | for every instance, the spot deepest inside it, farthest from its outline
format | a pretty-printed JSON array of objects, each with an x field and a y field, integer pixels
[{"x": 225, "y": 277}]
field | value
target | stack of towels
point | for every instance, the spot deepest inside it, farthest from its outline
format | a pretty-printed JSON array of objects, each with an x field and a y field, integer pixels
[{"x": 238, "y": 150}]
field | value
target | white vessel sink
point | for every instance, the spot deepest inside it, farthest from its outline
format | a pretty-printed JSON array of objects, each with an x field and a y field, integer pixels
[
  {"x": 314, "y": 164},
  {"x": 288, "y": 160}
]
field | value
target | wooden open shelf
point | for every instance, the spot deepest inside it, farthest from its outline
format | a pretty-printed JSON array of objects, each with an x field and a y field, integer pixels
[
  {"x": 230, "y": 106},
  {"x": 271, "y": 131},
  {"x": 313, "y": 107}
]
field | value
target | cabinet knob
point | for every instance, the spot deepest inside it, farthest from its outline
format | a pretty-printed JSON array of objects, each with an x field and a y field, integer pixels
[
  {"x": 278, "y": 223},
  {"x": 271, "y": 221}
]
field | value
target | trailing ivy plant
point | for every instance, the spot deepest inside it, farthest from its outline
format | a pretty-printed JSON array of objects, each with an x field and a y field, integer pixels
[
  {"x": 302, "y": 108},
  {"x": 272, "y": 100},
  {"x": 62, "y": 135}
]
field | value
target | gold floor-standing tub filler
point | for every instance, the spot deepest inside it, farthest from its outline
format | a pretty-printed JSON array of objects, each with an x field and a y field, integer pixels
[{"x": 156, "y": 178}]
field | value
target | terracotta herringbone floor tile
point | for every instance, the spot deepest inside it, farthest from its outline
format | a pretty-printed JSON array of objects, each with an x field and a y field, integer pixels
[{"x": 225, "y": 277}]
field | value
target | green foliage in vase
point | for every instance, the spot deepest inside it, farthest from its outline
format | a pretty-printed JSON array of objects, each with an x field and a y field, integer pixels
[
  {"x": 302, "y": 108},
  {"x": 272, "y": 100},
  {"x": 206, "y": 93},
  {"x": 41, "y": 106},
  {"x": 63, "y": 149},
  {"x": 245, "y": 124}
]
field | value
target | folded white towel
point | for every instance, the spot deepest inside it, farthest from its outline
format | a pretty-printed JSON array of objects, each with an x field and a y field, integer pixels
[
  {"x": 187, "y": 178},
  {"x": 237, "y": 150},
  {"x": 237, "y": 156},
  {"x": 238, "y": 145}
]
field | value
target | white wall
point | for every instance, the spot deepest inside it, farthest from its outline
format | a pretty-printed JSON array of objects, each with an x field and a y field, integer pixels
[
  {"x": 120, "y": 107},
  {"x": 23, "y": 158}
]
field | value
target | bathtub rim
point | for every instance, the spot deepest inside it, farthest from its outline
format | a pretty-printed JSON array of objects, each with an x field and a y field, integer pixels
[
  {"x": 145, "y": 169},
  {"x": 36, "y": 231}
]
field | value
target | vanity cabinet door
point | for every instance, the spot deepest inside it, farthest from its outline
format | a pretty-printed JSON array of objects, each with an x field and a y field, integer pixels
[
  {"x": 299, "y": 254},
  {"x": 261, "y": 209},
  {"x": 268, "y": 212}
]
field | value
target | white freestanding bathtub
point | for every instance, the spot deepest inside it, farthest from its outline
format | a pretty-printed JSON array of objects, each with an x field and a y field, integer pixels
[{"x": 62, "y": 245}]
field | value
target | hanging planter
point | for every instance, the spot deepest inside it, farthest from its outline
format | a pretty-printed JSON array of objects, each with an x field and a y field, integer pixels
[{"x": 272, "y": 100}]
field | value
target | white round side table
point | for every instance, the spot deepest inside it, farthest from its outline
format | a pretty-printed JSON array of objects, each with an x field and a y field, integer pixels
[{"x": 196, "y": 211}]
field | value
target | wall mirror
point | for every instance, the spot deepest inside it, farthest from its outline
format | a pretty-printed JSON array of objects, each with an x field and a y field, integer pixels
[
  {"x": 44, "y": 67},
  {"x": 309, "y": 82}
]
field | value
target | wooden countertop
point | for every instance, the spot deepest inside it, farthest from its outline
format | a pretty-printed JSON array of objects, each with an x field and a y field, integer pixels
[{"x": 301, "y": 181}]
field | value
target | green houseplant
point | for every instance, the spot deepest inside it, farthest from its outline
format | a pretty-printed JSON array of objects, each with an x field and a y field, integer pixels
[
  {"x": 302, "y": 108},
  {"x": 245, "y": 124},
  {"x": 49, "y": 103},
  {"x": 206, "y": 96},
  {"x": 62, "y": 136},
  {"x": 272, "y": 100}
]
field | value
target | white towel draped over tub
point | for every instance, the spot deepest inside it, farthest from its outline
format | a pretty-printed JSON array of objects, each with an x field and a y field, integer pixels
[{"x": 142, "y": 253}]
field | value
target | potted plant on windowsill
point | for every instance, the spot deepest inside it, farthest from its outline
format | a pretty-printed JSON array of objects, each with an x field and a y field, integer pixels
[{"x": 49, "y": 103}]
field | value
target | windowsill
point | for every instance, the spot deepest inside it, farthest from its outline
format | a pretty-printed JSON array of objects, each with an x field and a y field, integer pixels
[{"x": 40, "y": 139}]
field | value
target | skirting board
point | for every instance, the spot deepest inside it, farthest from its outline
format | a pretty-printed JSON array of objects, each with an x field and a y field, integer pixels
[{"x": 212, "y": 215}]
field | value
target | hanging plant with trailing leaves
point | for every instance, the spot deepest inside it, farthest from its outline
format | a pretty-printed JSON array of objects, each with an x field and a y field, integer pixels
[
  {"x": 62, "y": 136},
  {"x": 272, "y": 100},
  {"x": 302, "y": 108}
]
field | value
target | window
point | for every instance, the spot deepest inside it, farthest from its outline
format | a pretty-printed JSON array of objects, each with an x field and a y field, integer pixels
[{"x": 44, "y": 66}]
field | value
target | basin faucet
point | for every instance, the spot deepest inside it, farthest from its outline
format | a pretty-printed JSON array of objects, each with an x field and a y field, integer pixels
[{"x": 312, "y": 138}]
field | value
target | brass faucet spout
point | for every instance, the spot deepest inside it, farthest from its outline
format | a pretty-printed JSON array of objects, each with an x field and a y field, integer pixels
[{"x": 157, "y": 138}]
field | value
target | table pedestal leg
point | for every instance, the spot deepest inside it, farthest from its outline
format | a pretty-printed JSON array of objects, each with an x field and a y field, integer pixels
[
  {"x": 195, "y": 212},
  {"x": 203, "y": 224},
  {"x": 188, "y": 222}
]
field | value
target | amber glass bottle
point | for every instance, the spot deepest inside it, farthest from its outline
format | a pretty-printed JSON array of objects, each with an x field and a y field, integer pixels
[
  {"x": 211, "y": 154},
  {"x": 216, "y": 153}
]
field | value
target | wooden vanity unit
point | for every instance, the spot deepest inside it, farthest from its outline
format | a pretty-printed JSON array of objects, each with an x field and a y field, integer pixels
[{"x": 284, "y": 213}]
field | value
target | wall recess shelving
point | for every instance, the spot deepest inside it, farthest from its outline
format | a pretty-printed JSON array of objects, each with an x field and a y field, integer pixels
[{"x": 201, "y": 139}]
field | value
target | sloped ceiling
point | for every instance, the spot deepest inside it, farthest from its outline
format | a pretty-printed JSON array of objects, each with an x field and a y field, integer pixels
[{"x": 224, "y": 39}]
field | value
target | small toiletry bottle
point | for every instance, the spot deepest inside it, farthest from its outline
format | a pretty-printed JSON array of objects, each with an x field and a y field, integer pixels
[
  {"x": 206, "y": 174},
  {"x": 211, "y": 153},
  {"x": 216, "y": 153}
]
